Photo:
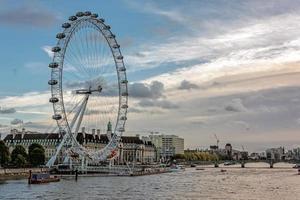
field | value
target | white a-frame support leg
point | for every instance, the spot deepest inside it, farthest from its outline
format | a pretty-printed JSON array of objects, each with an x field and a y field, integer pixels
[{"x": 69, "y": 134}]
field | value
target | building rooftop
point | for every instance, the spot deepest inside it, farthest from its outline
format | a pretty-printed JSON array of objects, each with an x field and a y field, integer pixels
[{"x": 81, "y": 138}]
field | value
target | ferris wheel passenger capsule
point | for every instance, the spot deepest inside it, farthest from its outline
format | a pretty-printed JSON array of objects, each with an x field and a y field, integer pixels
[
  {"x": 60, "y": 36},
  {"x": 53, "y": 100},
  {"x": 53, "y": 65},
  {"x": 107, "y": 27},
  {"x": 72, "y": 18},
  {"x": 112, "y": 36},
  {"x": 102, "y": 20},
  {"x": 87, "y": 13},
  {"x": 52, "y": 82},
  {"x": 94, "y": 15},
  {"x": 124, "y": 106},
  {"x": 79, "y": 14},
  {"x": 116, "y": 46},
  {"x": 66, "y": 25},
  {"x": 122, "y": 69},
  {"x": 123, "y": 118},
  {"x": 125, "y": 94},
  {"x": 121, "y": 129},
  {"x": 56, "y": 117},
  {"x": 55, "y": 49}
]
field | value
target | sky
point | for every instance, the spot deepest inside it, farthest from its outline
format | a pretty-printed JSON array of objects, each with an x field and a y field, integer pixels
[{"x": 195, "y": 68}]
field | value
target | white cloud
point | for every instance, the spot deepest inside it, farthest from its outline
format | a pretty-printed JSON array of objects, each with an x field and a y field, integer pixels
[
  {"x": 26, "y": 100},
  {"x": 259, "y": 46},
  {"x": 241, "y": 124},
  {"x": 47, "y": 50},
  {"x": 236, "y": 105},
  {"x": 16, "y": 122}
]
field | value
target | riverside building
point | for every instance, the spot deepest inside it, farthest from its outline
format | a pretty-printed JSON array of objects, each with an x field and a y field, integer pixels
[
  {"x": 166, "y": 145},
  {"x": 131, "y": 149}
]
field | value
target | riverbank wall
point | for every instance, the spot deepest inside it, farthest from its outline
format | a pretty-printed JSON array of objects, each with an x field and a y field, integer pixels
[{"x": 18, "y": 173}]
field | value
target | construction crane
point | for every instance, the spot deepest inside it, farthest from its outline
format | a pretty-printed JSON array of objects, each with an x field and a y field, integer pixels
[{"x": 217, "y": 140}]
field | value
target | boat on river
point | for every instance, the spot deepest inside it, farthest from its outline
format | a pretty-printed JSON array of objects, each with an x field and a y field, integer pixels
[
  {"x": 39, "y": 178},
  {"x": 199, "y": 168},
  {"x": 177, "y": 168},
  {"x": 297, "y": 166}
]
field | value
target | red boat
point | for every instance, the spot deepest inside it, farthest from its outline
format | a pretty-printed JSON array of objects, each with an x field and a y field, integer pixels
[{"x": 38, "y": 178}]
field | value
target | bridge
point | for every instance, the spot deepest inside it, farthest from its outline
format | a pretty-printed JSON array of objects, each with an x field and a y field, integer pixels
[{"x": 243, "y": 163}]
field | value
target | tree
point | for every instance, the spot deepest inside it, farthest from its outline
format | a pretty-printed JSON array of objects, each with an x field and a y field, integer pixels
[
  {"x": 179, "y": 157},
  {"x": 33, "y": 146},
  {"x": 18, "y": 156},
  {"x": 36, "y": 154},
  {"x": 4, "y": 154},
  {"x": 37, "y": 157},
  {"x": 20, "y": 161}
]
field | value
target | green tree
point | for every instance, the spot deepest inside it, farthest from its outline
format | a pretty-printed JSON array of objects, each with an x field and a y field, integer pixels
[
  {"x": 20, "y": 161},
  {"x": 33, "y": 146},
  {"x": 179, "y": 157},
  {"x": 37, "y": 157},
  {"x": 4, "y": 154},
  {"x": 16, "y": 159}
]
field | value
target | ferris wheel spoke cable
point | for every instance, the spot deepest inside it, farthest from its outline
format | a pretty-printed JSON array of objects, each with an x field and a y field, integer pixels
[
  {"x": 76, "y": 55},
  {"x": 74, "y": 61},
  {"x": 84, "y": 58}
]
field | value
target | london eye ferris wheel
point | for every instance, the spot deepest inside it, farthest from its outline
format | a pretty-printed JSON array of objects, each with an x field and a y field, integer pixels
[{"x": 88, "y": 85}]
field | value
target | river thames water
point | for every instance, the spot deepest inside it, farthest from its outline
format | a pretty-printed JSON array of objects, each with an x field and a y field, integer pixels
[{"x": 256, "y": 181}]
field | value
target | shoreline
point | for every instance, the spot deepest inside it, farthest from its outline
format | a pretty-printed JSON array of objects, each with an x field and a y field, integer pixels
[{"x": 18, "y": 173}]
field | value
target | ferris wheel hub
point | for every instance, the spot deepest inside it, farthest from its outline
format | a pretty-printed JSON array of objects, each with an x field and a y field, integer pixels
[{"x": 89, "y": 91}]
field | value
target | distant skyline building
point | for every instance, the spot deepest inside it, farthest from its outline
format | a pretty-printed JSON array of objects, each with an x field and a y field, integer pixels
[
  {"x": 167, "y": 145},
  {"x": 276, "y": 153}
]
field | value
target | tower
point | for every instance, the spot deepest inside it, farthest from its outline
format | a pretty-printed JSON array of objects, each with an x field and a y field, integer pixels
[{"x": 109, "y": 130}]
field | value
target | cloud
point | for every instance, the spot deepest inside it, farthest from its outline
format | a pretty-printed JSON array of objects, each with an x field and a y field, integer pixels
[
  {"x": 7, "y": 110},
  {"x": 16, "y": 122},
  {"x": 186, "y": 85},
  {"x": 173, "y": 15},
  {"x": 135, "y": 110},
  {"x": 40, "y": 126},
  {"x": 28, "y": 15},
  {"x": 240, "y": 45},
  {"x": 165, "y": 104},
  {"x": 47, "y": 50},
  {"x": 36, "y": 67},
  {"x": 242, "y": 124},
  {"x": 153, "y": 90},
  {"x": 26, "y": 100},
  {"x": 236, "y": 105}
]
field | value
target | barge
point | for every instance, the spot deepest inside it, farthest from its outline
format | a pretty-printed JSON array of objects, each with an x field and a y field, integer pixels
[{"x": 39, "y": 178}]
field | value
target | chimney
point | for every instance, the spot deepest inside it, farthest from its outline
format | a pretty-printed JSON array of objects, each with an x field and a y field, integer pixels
[
  {"x": 93, "y": 132},
  {"x": 14, "y": 132},
  {"x": 98, "y": 133},
  {"x": 23, "y": 133},
  {"x": 83, "y": 132}
]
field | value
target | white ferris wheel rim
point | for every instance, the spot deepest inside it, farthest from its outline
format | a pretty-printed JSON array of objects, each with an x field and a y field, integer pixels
[{"x": 56, "y": 82}]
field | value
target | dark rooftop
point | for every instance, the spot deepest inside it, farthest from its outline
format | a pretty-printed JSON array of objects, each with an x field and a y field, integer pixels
[{"x": 88, "y": 137}]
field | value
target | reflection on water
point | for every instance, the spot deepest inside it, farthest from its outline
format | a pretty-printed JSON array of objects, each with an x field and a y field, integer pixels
[{"x": 255, "y": 181}]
